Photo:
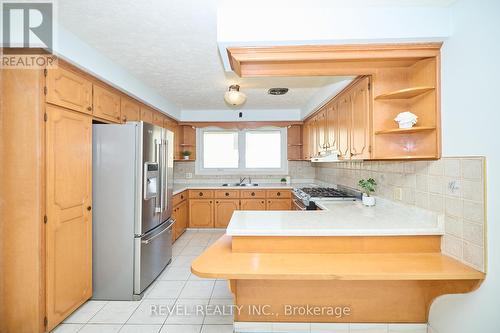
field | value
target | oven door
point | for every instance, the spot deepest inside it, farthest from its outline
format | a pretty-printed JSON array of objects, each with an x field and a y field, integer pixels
[{"x": 297, "y": 204}]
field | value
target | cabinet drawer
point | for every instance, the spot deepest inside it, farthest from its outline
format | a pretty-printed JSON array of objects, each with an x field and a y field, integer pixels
[
  {"x": 201, "y": 194},
  {"x": 227, "y": 194},
  {"x": 178, "y": 198},
  {"x": 279, "y": 194},
  {"x": 252, "y": 194}
]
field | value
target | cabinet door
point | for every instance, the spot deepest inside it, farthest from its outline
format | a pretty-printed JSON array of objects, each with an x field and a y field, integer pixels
[
  {"x": 106, "y": 104},
  {"x": 201, "y": 213},
  {"x": 175, "y": 228},
  {"x": 320, "y": 131},
  {"x": 183, "y": 216},
  {"x": 68, "y": 142},
  {"x": 279, "y": 204},
  {"x": 252, "y": 204},
  {"x": 332, "y": 126},
  {"x": 344, "y": 121},
  {"x": 157, "y": 118},
  {"x": 68, "y": 89},
  {"x": 224, "y": 210},
  {"x": 131, "y": 111},
  {"x": 306, "y": 142},
  {"x": 146, "y": 114},
  {"x": 360, "y": 131}
]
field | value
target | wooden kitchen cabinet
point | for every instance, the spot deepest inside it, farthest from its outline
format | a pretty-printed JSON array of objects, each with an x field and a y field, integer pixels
[
  {"x": 180, "y": 214},
  {"x": 279, "y": 204},
  {"x": 158, "y": 118},
  {"x": 68, "y": 254},
  {"x": 344, "y": 125},
  {"x": 224, "y": 209},
  {"x": 360, "y": 127},
  {"x": 130, "y": 110},
  {"x": 201, "y": 213},
  {"x": 146, "y": 114},
  {"x": 253, "y": 204},
  {"x": 69, "y": 89},
  {"x": 106, "y": 104},
  {"x": 294, "y": 140},
  {"x": 332, "y": 126}
]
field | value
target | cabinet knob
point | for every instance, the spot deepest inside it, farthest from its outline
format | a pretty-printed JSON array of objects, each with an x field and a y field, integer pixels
[
  {"x": 253, "y": 194},
  {"x": 216, "y": 202},
  {"x": 182, "y": 197},
  {"x": 200, "y": 194},
  {"x": 227, "y": 194},
  {"x": 89, "y": 108},
  {"x": 263, "y": 201},
  {"x": 278, "y": 194},
  {"x": 89, "y": 208}
]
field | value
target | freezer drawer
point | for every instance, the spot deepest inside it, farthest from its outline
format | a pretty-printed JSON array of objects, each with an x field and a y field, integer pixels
[{"x": 153, "y": 254}]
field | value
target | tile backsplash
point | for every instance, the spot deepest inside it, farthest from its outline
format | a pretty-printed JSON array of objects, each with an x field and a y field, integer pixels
[
  {"x": 300, "y": 172},
  {"x": 453, "y": 186}
]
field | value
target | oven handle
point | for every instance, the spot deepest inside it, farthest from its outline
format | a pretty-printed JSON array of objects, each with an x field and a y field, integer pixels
[{"x": 298, "y": 205}]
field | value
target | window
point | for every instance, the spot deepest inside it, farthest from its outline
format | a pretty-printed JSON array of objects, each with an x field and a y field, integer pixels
[{"x": 259, "y": 151}]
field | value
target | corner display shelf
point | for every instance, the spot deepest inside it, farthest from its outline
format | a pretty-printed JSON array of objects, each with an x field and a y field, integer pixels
[
  {"x": 405, "y": 93},
  {"x": 406, "y": 130}
]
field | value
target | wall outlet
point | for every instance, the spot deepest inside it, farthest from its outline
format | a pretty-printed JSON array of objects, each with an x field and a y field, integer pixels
[
  {"x": 398, "y": 194},
  {"x": 189, "y": 175}
]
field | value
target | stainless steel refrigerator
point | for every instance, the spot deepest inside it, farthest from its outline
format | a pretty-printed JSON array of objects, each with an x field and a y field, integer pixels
[{"x": 132, "y": 191}]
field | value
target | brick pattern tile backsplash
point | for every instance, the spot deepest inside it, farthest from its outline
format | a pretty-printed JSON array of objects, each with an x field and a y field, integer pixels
[{"x": 454, "y": 186}]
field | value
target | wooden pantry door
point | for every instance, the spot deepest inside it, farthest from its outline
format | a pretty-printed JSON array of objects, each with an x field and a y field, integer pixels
[{"x": 68, "y": 141}]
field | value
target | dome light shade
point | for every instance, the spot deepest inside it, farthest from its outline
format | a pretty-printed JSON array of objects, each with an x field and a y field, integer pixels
[{"x": 234, "y": 96}]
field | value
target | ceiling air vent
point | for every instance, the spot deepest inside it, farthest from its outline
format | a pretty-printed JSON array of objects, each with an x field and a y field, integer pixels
[{"x": 277, "y": 91}]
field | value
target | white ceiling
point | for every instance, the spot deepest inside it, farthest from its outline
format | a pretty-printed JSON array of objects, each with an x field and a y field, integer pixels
[{"x": 172, "y": 47}]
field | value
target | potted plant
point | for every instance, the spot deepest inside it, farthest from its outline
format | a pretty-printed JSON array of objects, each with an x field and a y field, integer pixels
[
  {"x": 283, "y": 180},
  {"x": 368, "y": 186},
  {"x": 186, "y": 154}
]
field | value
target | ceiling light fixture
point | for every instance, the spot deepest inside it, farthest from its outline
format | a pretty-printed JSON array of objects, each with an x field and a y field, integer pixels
[{"x": 234, "y": 96}]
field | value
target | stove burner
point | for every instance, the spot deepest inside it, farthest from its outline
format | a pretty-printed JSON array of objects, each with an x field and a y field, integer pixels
[{"x": 325, "y": 192}]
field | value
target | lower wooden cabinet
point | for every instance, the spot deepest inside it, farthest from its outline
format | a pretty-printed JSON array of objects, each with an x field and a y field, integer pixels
[
  {"x": 224, "y": 209},
  {"x": 68, "y": 139},
  {"x": 279, "y": 204},
  {"x": 181, "y": 215},
  {"x": 253, "y": 204},
  {"x": 201, "y": 213}
]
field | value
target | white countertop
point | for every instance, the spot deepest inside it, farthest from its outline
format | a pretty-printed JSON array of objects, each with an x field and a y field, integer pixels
[
  {"x": 178, "y": 188},
  {"x": 339, "y": 218}
]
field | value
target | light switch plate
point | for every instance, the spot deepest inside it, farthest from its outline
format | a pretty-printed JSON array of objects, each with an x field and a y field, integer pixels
[
  {"x": 189, "y": 175},
  {"x": 398, "y": 194}
]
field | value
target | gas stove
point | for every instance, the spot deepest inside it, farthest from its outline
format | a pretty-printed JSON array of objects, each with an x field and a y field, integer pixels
[{"x": 304, "y": 197}]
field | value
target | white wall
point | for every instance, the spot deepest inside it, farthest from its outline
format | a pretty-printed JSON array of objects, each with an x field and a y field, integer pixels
[
  {"x": 69, "y": 47},
  {"x": 248, "y": 115},
  {"x": 470, "y": 118}
]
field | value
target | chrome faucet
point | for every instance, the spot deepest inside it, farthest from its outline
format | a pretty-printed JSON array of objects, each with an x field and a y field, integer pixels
[{"x": 242, "y": 179}]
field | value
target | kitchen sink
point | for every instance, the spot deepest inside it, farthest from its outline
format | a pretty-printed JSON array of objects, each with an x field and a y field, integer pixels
[{"x": 240, "y": 185}]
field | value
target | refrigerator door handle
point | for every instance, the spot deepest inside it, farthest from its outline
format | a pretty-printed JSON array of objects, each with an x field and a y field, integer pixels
[
  {"x": 147, "y": 241},
  {"x": 159, "y": 184},
  {"x": 164, "y": 179}
]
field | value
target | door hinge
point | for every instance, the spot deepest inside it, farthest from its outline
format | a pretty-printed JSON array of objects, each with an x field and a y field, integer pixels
[
  {"x": 45, "y": 321},
  {"x": 45, "y": 90},
  {"x": 45, "y": 117},
  {"x": 369, "y": 85},
  {"x": 45, "y": 219},
  {"x": 369, "y": 149},
  {"x": 45, "y": 72}
]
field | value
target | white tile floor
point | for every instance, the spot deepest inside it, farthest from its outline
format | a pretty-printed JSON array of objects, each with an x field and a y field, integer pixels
[{"x": 176, "y": 285}]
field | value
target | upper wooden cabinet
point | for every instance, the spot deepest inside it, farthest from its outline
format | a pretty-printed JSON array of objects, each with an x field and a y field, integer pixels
[
  {"x": 332, "y": 126},
  {"x": 147, "y": 114},
  {"x": 294, "y": 139},
  {"x": 106, "y": 104},
  {"x": 360, "y": 127},
  {"x": 158, "y": 118},
  {"x": 69, "y": 89},
  {"x": 131, "y": 111}
]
